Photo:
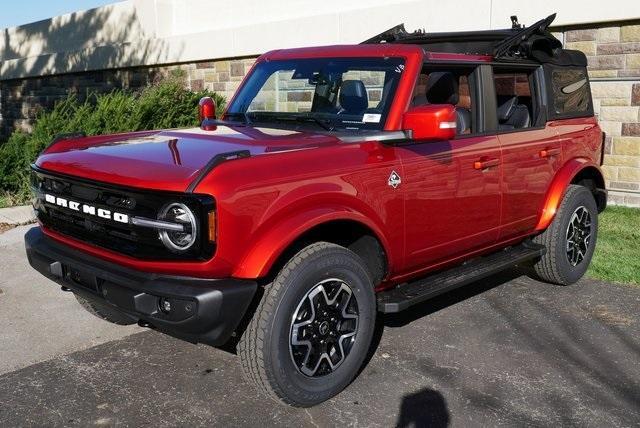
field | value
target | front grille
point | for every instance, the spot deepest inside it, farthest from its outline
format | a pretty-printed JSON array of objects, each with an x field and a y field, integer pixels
[{"x": 122, "y": 237}]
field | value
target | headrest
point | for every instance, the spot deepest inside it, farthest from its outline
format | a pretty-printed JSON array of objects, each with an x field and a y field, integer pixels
[
  {"x": 442, "y": 88},
  {"x": 506, "y": 105},
  {"x": 353, "y": 96}
]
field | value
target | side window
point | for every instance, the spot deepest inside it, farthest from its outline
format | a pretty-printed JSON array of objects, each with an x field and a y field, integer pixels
[
  {"x": 515, "y": 96},
  {"x": 449, "y": 86},
  {"x": 569, "y": 91}
]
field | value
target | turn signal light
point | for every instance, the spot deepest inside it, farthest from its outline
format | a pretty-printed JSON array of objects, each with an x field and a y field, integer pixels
[{"x": 212, "y": 226}]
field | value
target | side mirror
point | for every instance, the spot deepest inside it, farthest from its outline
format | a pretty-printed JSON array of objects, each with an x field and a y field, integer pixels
[
  {"x": 430, "y": 122},
  {"x": 207, "y": 113}
]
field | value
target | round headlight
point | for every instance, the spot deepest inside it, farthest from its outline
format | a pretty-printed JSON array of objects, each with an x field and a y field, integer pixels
[{"x": 180, "y": 214}]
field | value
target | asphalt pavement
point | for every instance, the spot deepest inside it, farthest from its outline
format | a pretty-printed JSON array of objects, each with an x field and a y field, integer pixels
[
  {"x": 501, "y": 352},
  {"x": 37, "y": 320}
]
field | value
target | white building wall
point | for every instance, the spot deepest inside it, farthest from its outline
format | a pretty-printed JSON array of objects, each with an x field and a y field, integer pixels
[{"x": 149, "y": 32}]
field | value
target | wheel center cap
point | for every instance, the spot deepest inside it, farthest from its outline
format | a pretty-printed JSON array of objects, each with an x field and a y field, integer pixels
[{"x": 323, "y": 328}]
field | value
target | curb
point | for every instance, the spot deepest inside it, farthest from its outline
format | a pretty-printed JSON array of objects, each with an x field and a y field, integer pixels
[{"x": 16, "y": 216}]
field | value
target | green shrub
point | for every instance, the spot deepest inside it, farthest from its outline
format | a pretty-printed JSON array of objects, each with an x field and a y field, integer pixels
[
  {"x": 15, "y": 157},
  {"x": 166, "y": 104}
]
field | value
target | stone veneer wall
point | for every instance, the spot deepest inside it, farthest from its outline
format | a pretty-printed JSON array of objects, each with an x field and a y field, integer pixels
[
  {"x": 22, "y": 99},
  {"x": 223, "y": 76},
  {"x": 613, "y": 51}
]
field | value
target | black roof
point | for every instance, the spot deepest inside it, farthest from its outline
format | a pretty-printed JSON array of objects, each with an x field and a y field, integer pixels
[{"x": 516, "y": 43}]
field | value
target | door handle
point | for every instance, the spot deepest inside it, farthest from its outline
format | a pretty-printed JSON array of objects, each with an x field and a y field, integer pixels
[
  {"x": 485, "y": 163},
  {"x": 549, "y": 152}
]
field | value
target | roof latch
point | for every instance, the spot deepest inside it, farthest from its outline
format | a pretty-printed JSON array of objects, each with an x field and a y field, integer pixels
[{"x": 514, "y": 23}]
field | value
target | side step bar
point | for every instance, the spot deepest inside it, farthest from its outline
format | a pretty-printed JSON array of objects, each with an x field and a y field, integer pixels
[{"x": 409, "y": 294}]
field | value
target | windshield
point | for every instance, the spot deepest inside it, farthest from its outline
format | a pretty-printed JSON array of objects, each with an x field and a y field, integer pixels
[{"x": 331, "y": 93}]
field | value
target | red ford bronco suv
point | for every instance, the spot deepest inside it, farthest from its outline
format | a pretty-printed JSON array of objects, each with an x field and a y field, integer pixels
[{"x": 341, "y": 182}]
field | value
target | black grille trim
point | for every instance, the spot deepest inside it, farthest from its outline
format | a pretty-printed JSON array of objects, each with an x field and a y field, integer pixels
[{"x": 128, "y": 239}]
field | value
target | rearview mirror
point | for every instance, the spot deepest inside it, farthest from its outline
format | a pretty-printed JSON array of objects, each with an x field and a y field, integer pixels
[
  {"x": 207, "y": 113},
  {"x": 430, "y": 122}
]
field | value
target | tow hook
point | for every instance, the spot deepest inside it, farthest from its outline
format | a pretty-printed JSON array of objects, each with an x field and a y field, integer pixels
[{"x": 145, "y": 324}]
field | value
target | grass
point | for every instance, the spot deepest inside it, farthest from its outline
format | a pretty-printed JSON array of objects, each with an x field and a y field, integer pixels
[{"x": 617, "y": 256}]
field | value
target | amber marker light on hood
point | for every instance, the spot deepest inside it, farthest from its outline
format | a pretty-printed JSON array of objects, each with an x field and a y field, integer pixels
[{"x": 212, "y": 226}]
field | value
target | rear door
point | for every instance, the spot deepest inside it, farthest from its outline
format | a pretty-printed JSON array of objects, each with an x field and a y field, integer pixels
[
  {"x": 451, "y": 188},
  {"x": 531, "y": 149}
]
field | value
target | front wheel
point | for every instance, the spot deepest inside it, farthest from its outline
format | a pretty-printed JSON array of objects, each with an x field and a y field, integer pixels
[
  {"x": 313, "y": 327},
  {"x": 570, "y": 239}
]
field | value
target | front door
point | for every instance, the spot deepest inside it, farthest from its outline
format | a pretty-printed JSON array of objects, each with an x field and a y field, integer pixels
[
  {"x": 452, "y": 198},
  {"x": 451, "y": 188}
]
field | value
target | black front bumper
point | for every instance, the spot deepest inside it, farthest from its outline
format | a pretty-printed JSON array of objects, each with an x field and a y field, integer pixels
[{"x": 202, "y": 310}]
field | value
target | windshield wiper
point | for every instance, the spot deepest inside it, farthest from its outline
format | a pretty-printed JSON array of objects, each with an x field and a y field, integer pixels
[
  {"x": 245, "y": 116},
  {"x": 270, "y": 117},
  {"x": 324, "y": 124}
]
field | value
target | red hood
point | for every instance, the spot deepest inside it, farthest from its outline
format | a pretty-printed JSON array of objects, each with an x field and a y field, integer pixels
[{"x": 167, "y": 160}]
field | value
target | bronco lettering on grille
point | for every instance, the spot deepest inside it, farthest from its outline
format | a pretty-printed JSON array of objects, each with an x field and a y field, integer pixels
[{"x": 87, "y": 209}]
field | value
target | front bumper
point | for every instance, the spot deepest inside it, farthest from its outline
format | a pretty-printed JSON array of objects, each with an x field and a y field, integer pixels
[{"x": 202, "y": 310}]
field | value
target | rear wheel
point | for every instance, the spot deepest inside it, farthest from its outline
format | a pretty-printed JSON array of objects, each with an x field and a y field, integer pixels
[
  {"x": 570, "y": 239},
  {"x": 313, "y": 327}
]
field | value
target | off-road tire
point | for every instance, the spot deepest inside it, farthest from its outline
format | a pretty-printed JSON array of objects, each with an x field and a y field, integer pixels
[
  {"x": 104, "y": 312},
  {"x": 264, "y": 348},
  {"x": 554, "y": 266}
]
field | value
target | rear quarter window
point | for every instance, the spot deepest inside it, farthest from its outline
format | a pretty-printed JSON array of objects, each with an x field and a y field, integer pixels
[{"x": 570, "y": 93}]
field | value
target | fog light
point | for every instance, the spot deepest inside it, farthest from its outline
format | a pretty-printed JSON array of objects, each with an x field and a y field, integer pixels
[{"x": 165, "y": 305}]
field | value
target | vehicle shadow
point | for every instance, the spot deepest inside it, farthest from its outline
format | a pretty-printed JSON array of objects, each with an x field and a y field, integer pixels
[
  {"x": 586, "y": 342},
  {"x": 400, "y": 319},
  {"x": 425, "y": 408},
  {"x": 448, "y": 299},
  {"x": 434, "y": 305}
]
